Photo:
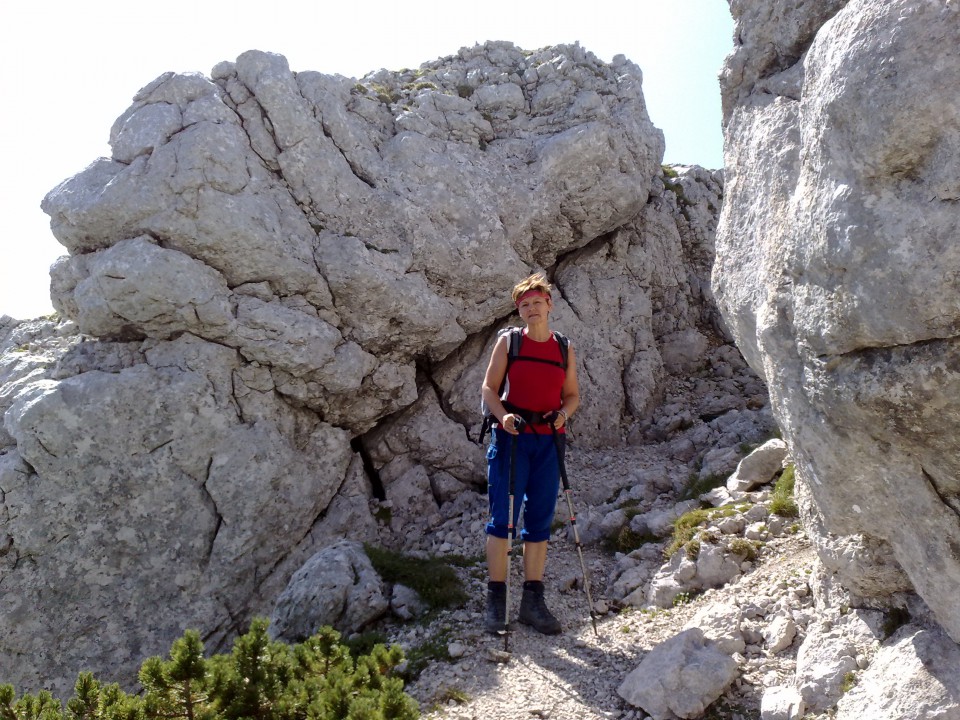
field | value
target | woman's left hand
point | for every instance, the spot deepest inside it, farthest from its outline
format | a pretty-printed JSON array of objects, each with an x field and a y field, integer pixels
[{"x": 559, "y": 419}]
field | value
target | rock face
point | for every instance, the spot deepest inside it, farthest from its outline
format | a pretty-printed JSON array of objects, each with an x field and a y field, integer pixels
[
  {"x": 279, "y": 297},
  {"x": 836, "y": 271},
  {"x": 922, "y": 665}
]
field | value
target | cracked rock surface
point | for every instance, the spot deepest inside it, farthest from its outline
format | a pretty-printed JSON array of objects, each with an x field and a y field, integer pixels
[{"x": 836, "y": 273}]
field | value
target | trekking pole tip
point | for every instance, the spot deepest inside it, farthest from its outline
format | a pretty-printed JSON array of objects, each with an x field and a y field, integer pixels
[{"x": 498, "y": 656}]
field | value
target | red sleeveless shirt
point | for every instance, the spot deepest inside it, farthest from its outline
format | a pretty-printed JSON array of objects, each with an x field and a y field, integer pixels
[{"x": 535, "y": 385}]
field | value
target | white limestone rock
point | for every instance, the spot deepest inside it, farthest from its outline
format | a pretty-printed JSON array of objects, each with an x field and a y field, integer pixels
[
  {"x": 826, "y": 655},
  {"x": 832, "y": 273},
  {"x": 781, "y": 703},
  {"x": 913, "y": 676},
  {"x": 716, "y": 566},
  {"x": 713, "y": 566},
  {"x": 406, "y": 602},
  {"x": 720, "y": 462},
  {"x": 137, "y": 289},
  {"x": 281, "y": 274},
  {"x": 722, "y": 625},
  {"x": 629, "y": 585},
  {"x": 411, "y": 499},
  {"x": 780, "y": 633},
  {"x": 759, "y": 467},
  {"x": 178, "y": 495},
  {"x": 684, "y": 351},
  {"x": 660, "y": 522},
  {"x": 679, "y": 678}
]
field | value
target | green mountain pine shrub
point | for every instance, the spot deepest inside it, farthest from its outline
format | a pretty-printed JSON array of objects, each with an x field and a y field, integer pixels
[{"x": 261, "y": 679}]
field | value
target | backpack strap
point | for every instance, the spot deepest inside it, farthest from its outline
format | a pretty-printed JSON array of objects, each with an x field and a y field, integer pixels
[
  {"x": 564, "y": 342},
  {"x": 515, "y": 340}
]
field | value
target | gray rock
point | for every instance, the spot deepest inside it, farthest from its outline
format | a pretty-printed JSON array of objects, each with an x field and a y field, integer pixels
[
  {"x": 720, "y": 462},
  {"x": 860, "y": 562},
  {"x": 717, "y": 497},
  {"x": 137, "y": 289},
  {"x": 446, "y": 488},
  {"x": 721, "y": 625},
  {"x": 629, "y": 581},
  {"x": 456, "y": 650},
  {"x": 780, "y": 633},
  {"x": 177, "y": 496},
  {"x": 664, "y": 587},
  {"x": 826, "y": 655},
  {"x": 268, "y": 286},
  {"x": 660, "y": 522},
  {"x": 411, "y": 498},
  {"x": 759, "y": 467},
  {"x": 716, "y": 566},
  {"x": 680, "y": 677},
  {"x": 813, "y": 277},
  {"x": 337, "y": 587},
  {"x": 684, "y": 351},
  {"x": 922, "y": 666},
  {"x": 613, "y": 521},
  {"x": 732, "y": 525},
  {"x": 406, "y": 603},
  {"x": 782, "y": 703}
]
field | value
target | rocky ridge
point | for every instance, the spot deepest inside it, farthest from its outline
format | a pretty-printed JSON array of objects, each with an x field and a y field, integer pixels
[
  {"x": 279, "y": 297},
  {"x": 217, "y": 411}
]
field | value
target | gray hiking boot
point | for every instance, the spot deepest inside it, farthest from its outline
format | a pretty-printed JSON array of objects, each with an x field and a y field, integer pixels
[
  {"x": 534, "y": 611},
  {"x": 495, "y": 620}
]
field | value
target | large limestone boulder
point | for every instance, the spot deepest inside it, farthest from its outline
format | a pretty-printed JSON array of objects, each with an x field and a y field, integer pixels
[
  {"x": 278, "y": 302},
  {"x": 836, "y": 260},
  {"x": 142, "y": 494}
]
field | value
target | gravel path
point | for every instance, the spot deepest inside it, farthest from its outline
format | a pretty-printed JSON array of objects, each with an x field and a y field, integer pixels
[{"x": 575, "y": 675}]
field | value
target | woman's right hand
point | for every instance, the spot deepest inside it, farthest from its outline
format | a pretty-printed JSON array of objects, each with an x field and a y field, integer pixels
[{"x": 509, "y": 423}]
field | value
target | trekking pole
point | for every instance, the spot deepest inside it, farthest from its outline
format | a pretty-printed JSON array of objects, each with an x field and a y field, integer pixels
[
  {"x": 519, "y": 422},
  {"x": 573, "y": 524}
]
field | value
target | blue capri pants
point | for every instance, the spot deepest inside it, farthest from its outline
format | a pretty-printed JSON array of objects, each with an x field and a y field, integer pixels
[{"x": 536, "y": 483}]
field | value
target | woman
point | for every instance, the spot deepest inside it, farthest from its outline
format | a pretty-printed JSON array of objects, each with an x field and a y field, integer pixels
[{"x": 541, "y": 388}]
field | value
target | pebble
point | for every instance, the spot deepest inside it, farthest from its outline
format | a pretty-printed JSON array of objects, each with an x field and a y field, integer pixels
[{"x": 456, "y": 650}]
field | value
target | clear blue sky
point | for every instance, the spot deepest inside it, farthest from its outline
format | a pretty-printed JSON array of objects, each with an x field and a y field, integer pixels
[{"x": 70, "y": 68}]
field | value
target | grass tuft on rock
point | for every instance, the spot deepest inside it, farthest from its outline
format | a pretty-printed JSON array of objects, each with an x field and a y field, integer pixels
[
  {"x": 697, "y": 486},
  {"x": 432, "y": 578},
  {"x": 626, "y": 540},
  {"x": 685, "y": 528},
  {"x": 781, "y": 499}
]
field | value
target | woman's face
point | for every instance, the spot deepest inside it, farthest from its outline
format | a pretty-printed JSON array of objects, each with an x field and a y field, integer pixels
[{"x": 534, "y": 308}]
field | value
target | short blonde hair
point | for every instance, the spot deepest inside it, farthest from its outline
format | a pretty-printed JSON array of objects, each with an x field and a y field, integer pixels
[{"x": 537, "y": 281}]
